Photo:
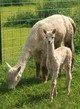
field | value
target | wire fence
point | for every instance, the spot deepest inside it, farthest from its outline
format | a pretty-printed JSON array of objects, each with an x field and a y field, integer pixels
[{"x": 18, "y": 18}]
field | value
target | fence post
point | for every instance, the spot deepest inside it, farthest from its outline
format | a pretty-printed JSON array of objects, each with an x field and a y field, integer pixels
[{"x": 0, "y": 40}]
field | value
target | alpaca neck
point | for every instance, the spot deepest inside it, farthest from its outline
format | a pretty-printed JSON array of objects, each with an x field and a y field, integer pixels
[
  {"x": 28, "y": 50},
  {"x": 24, "y": 58}
]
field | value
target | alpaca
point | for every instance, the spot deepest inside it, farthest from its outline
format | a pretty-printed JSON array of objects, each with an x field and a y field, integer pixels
[
  {"x": 35, "y": 46},
  {"x": 56, "y": 58}
]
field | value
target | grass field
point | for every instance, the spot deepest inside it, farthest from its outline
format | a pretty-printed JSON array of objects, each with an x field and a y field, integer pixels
[
  {"x": 13, "y": 10},
  {"x": 31, "y": 93}
]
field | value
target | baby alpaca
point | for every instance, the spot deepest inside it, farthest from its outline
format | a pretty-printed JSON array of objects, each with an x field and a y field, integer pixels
[{"x": 56, "y": 58}]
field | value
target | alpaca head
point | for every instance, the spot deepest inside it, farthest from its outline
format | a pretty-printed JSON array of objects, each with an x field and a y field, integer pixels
[
  {"x": 13, "y": 76},
  {"x": 49, "y": 35}
]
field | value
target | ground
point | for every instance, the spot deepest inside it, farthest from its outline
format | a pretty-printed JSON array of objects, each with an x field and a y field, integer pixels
[{"x": 33, "y": 94}]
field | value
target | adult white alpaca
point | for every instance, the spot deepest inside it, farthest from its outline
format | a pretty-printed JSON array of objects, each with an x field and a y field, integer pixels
[
  {"x": 35, "y": 45},
  {"x": 56, "y": 58}
]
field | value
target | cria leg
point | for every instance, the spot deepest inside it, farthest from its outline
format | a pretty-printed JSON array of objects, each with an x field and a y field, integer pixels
[
  {"x": 53, "y": 86},
  {"x": 53, "y": 89},
  {"x": 68, "y": 77},
  {"x": 68, "y": 81},
  {"x": 57, "y": 42},
  {"x": 60, "y": 69}
]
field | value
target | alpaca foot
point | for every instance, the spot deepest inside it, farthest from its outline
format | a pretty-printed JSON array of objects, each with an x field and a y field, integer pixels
[
  {"x": 45, "y": 81},
  {"x": 38, "y": 77},
  {"x": 68, "y": 93},
  {"x": 51, "y": 99},
  {"x": 55, "y": 93}
]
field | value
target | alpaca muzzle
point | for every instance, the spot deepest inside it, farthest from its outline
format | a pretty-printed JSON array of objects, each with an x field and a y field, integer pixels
[{"x": 49, "y": 42}]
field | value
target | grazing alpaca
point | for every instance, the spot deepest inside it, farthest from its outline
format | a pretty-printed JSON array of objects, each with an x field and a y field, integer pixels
[
  {"x": 36, "y": 46},
  {"x": 56, "y": 58}
]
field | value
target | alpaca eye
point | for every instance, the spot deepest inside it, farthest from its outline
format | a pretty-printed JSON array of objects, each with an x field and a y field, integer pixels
[{"x": 46, "y": 37}]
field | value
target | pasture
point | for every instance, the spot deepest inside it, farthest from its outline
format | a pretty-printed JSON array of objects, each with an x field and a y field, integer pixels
[{"x": 31, "y": 93}]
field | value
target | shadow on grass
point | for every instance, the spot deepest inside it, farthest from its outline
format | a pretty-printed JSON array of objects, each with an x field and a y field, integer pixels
[
  {"x": 38, "y": 97},
  {"x": 23, "y": 82},
  {"x": 4, "y": 88},
  {"x": 29, "y": 82},
  {"x": 32, "y": 100}
]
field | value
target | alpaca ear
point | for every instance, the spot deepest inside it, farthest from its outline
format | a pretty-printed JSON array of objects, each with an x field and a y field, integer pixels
[
  {"x": 8, "y": 65},
  {"x": 44, "y": 31},
  {"x": 54, "y": 31},
  {"x": 18, "y": 69}
]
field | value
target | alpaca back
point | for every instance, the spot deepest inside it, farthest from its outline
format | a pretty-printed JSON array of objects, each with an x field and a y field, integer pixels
[
  {"x": 63, "y": 54},
  {"x": 64, "y": 25}
]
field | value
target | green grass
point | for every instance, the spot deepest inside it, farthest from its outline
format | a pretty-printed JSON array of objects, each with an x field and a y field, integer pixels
[
  {"x": 13, "y": 10},
  {"x": 33, "y": 94}
]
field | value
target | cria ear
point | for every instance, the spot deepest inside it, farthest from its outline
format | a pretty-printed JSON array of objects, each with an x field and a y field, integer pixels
[
  {"x": 44, "y": 31},
  {"x": 54, "y": 31}
]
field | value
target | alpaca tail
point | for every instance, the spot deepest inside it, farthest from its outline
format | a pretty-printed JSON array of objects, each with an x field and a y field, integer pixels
[{"x": 73, "y": 24}]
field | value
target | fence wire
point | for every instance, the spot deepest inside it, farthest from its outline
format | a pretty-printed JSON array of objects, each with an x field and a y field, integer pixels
[{"x": 18, "y": 18}]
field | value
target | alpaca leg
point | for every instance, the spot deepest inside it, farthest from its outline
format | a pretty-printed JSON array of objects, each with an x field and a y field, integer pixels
[
  {"x": 60, "y": 69},
  {"x": 68, "y": 78},
  {"x": 37, "y": 70},
  {"x": 53, "y": 86},
  {"x": 44, "y": 70},
  {"x": 53, "y": 89},
  {"x": 68, "y": 81},
  {"x": 44, "y": 73},
  {"x": 72, "y": 65},
  {"x": 37, "y": 58},
  {"x": 58, "y": 44},
  {"x": 68, "y": 41}
]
